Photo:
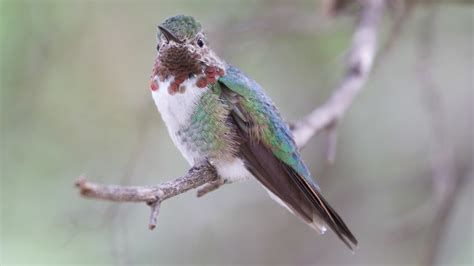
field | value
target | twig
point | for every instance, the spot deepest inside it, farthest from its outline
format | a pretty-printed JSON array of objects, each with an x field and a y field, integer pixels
[
  {"x": 359, "y": 66},
  {"x": 152, "y": 195},
  {"x": 155, "y": 210},
  {"x": 324, "y": 118},
  {"x": 402, "y": 11}
]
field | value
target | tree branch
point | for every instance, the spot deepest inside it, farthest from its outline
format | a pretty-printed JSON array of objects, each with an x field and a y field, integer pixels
[
  {"x": 152, "y": 195},
  {"x": 326, "y": 117},
  {"x": 358, "y": 69}
]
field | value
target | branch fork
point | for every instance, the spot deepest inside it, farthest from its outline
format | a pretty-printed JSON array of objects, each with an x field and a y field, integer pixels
[{"x": 199, "y": 175}]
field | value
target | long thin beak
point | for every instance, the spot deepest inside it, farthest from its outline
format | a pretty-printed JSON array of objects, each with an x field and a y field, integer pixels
[{"x": 168, "y": 35}]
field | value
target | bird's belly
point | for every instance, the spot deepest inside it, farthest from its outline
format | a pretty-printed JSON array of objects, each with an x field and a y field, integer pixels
[
  {"x": 196, "y": 122},
  {"x": 232, "y": 170},
  {"x": 176, "y": 111}
]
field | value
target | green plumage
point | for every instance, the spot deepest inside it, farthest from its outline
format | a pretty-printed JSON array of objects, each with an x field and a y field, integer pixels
[
  {"x": 182, "y": 26},
  {"x": 208, "y": 132},
  {"x": 271, "y": 154},
  {"x": 270, "y": 127}
]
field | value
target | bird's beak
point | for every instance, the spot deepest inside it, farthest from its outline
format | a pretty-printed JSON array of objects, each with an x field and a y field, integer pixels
[{"x": 168, "y": 35}]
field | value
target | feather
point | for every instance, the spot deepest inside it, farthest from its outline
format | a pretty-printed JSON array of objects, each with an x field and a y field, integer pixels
[
  {"x": 291, "y": 188},
  {"x": 270, "y": 154}
]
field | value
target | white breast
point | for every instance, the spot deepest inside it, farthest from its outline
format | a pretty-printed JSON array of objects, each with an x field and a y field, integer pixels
[{"x": 176, "y": 110}]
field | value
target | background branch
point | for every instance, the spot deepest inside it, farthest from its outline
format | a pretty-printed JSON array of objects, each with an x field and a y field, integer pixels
[
  {"x": 326, "y": 117},
  {"x": 446, "y": 178},
  {"x": 358, "y": 69}
]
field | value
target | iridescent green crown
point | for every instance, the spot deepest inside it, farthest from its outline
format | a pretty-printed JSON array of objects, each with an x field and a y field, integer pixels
[{"x": 181, "y": 26}]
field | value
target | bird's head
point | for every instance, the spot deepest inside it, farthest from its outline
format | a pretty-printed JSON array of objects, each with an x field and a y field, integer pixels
[{"x": 184, "y": 54}]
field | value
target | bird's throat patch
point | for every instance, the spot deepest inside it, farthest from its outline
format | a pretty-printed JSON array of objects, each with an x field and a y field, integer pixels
[
  {"x": 208, "y": 75},
  {"x": 183, "y": 62}
]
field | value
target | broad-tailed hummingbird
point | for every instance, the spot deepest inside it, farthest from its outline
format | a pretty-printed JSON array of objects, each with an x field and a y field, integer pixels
[{"x": 215, "y": 112}]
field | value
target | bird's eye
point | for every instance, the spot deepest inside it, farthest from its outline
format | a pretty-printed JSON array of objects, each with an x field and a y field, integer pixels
[
  {"x": 158, "y": 47},
  {"x": 200, "y": 42}
]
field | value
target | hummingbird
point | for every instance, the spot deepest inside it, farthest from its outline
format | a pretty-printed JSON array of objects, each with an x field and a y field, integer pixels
[{"x": 214, "y": 112}]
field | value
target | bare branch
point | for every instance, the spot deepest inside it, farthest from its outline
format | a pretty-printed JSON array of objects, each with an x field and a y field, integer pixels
[
  {"x": 152, "y": 195},
  {"x": 359, "y": 66},
  {"x": 155, "y": 210},
  {"x": 402, "y": 11},
  {"x": 196, "y": 176},
  {"x": 115, "y": 193},
  {"x": 326, "y": 117}
]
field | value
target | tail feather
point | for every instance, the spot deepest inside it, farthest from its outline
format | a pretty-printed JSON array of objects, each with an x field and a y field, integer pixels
[
  {"x": 296, "y": 191},
  {"x": 327, "y": 213}
]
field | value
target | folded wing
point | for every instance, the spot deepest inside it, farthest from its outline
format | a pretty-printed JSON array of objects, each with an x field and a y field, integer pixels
[{"x": 270, "y": 154}]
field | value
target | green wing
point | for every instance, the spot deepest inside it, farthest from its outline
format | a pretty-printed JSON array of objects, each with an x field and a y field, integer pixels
[
  {"x": 263, "y": 120},
  {"x": 270, "y": 153}
]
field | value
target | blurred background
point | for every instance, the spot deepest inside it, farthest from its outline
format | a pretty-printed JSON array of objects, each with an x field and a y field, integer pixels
[{"x": 75, "y": 100}]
